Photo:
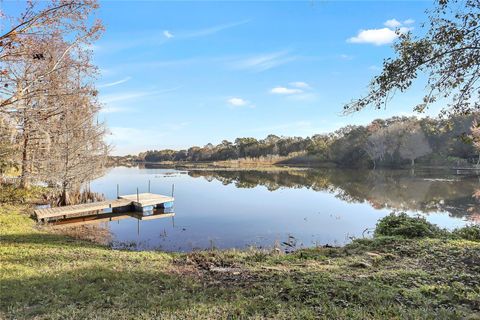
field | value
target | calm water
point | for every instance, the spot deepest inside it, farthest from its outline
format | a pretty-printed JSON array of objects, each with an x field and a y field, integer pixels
[{"x": 296, "y": 208}]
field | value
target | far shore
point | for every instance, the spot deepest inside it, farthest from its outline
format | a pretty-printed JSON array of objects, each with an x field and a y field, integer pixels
[{"x": 273, "y": 166}]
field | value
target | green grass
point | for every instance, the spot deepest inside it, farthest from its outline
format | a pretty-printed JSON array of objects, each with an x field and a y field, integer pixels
[
  {"x": 10, "y": 194},
  {"x": 48, "y": 276}
]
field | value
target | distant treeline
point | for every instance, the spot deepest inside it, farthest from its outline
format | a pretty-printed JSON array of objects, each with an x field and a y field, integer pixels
[{"x": 393, "y": 142}]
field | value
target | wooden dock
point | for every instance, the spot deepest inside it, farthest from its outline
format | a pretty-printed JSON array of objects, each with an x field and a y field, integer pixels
[
  {"x": 147, "y": 199},
  {"x": 135, "y": 202}
]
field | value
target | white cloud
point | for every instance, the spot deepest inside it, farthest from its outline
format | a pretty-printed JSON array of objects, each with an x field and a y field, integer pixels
[
  {"x": 300, "y": 84},
  {"x": 285, "y": 90},
  {"x": 392, "y": 23},
  {"x": 382, "y": 36},
  {"x": 239, "y": 102},
  {"x": 298, "y": 90},
  {"x": 265, "y": 61},
  {"x": 168, "y": 34},
  {"x": 377, "y": 37},
  {"x": 111, "y": 84}
]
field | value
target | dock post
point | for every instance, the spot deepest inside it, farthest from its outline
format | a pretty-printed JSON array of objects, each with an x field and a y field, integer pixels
[
  {"x": 118, "y": 191},
  {"x": 173, "y": 188},
  {"x": 138, "y": 199},
  {"x": 148, "y": 186}
]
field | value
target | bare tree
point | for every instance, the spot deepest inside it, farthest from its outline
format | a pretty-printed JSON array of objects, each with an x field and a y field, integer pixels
[
  {"x": 8, "y": 144},
  {"x": 36, "y": 107},
  {"x": 394, "y": 134},
  {"x": 376, "y": 145},
  {"x": 80, "y": 152},
  {"x": 24, "y": 44},
  {"x": 475, "y": 137},
  {"x": 414, "y": 143},
  {"x": 47, "y": 88}
]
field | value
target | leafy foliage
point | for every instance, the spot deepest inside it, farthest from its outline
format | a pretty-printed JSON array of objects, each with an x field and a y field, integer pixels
[
  {"x": 448, "y": 53},
  {"x": 471, "y": 233},
  {"x": 391, "y": 142},
  {"x": 405, "y": 226}
]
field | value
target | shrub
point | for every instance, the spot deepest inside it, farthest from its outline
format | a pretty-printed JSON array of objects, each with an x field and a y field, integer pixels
[
  {"x": 405, "y": 226},
  {"x": 471, "y": 233},
  {"x": 13, "y": 195}
]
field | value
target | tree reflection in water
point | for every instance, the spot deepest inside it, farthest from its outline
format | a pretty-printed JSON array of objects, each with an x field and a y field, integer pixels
[
  {"x": 95, "y": 227},
  {"x": 454, "y": 192}
]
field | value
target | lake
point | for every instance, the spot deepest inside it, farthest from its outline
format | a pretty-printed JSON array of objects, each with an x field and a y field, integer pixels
[{"x": 286, "y": 208}]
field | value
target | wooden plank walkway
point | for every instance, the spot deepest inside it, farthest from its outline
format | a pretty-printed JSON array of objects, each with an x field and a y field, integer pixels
[
  {"x": 140, "y": 200},
  {"x": 147, "y": 199},
  {"x": 59, "y": 212}
]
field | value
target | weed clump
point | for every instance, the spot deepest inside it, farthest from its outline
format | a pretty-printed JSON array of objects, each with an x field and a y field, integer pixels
[
  {"x": 403, "y": 225},
  {"x": 471, "y": 233}
]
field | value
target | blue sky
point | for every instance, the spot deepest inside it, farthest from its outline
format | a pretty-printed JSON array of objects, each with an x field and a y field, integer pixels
[{"x": 177, "y": 74}]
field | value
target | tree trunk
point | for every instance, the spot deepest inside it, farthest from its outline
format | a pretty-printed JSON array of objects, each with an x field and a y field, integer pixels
[
  {"x": 25, "y": 179},
  {"x": 413, "y": 162},
  {"x": 64, "y": 198},
  {"x": 64, "y": 195}
]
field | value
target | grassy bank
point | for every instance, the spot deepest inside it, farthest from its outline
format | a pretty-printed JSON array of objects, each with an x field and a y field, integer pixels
[{"x": 47, "y": 276}]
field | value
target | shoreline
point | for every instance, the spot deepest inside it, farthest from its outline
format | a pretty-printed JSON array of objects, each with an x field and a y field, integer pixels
[
  {"x": 51, "y": 276},
  {"x": 275, "y": 166}
]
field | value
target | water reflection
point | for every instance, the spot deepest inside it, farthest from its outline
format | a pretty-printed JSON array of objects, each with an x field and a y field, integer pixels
[
  {"x": 96, "y": 226},
  {"x": 285, "y": 208},
  {"x": 427, "y": 191},
  {"x": 98, "y": 233}
]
